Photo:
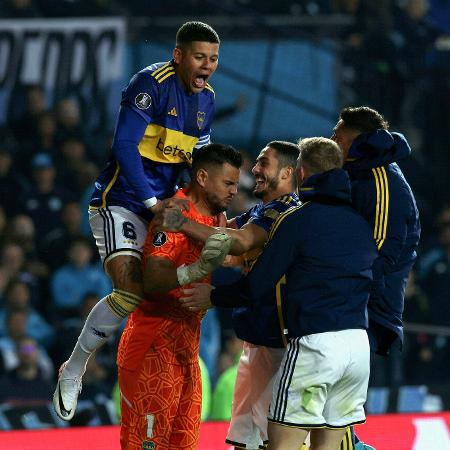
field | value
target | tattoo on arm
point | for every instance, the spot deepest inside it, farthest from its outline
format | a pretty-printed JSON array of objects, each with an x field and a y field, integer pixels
[
  {"x": 174, "y": 219},
  {"x": 130, "y": 272}
]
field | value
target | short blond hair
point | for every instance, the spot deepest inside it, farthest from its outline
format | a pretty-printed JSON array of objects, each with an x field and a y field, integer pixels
[{"x": 319, "y": 154}]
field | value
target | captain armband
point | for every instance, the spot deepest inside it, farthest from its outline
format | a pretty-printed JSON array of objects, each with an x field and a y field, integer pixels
[{"x": 122, "y": 303}]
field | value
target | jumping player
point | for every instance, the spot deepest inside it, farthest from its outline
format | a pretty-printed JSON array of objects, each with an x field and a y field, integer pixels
[{"x": 166, "y": 113}]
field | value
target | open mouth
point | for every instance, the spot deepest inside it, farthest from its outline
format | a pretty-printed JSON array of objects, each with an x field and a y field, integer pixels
[
  {"x": 259, "y": 181},
  {"x": 200, "y": 81}
]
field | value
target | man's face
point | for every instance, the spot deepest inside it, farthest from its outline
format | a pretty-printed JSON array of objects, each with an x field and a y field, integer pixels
[
  {"x": 221, "y": 186},
  {"x": 196, "y": 63},
  {"x": 266, "y": 172},
  {"x": 343, "y": 137}
]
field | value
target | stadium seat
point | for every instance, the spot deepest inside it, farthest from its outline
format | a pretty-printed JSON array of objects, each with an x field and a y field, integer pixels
[
  {"x": 411, "y": 398},
  {"x": 377, "y": 400}
]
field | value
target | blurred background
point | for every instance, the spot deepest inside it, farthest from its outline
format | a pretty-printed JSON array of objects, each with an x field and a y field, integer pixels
[{"x": 286, "y": 69}]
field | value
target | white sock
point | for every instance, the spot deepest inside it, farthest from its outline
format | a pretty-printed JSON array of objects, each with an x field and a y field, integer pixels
[{"x": 100, "y": 324}]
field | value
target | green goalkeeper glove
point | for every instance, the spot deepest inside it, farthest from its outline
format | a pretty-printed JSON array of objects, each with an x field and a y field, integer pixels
[{"x": 215, "y": 250}]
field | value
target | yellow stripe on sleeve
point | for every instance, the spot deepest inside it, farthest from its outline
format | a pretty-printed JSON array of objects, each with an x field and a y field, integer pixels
[
  {"x": 160, "y": 69},
  {"x": 165, "y": 76},
  {"x": 382, "y": 206},
  {"x": 209, "y": 87},
  {"x": 386, "y": 206},
  {"x": 281, "y": 217},
  {"x": 378, "y": 205}
]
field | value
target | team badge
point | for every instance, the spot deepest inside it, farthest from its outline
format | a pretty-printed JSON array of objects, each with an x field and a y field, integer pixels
[
  {"x": 201, "y": 119},
  {"x": 159, "y": 239},
  {"x": 143, "y": 100},
  {"x": 271, "y": 213},
  {"x": 148, "y": 445}
]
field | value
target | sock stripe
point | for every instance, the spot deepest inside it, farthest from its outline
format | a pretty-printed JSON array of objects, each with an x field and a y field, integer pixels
[
  {"x": 115, "y": 308},
  {"x": 134, "y": 299}
]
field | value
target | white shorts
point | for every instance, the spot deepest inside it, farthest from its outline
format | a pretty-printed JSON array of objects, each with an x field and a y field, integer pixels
[
  {"x": 322, "y": 381},
  {"x": 117, "y": 231},
  {"x": 252, "y": 395}
]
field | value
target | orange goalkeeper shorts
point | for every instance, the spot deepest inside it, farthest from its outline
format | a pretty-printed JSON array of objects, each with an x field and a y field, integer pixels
[{"x": 160, "y": 405}]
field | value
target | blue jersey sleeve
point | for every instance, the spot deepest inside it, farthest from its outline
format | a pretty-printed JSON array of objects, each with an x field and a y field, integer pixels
[
  {"x": 129, "y": 131},
  {"x": 139, "y": 101},
  {"x": 266, "y": 215},
  {"x": 142, "y": 95},
  {"x": 243, "y": 218}
]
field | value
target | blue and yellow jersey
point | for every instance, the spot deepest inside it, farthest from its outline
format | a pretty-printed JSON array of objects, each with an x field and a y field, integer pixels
[
  {"x": 158, "y": 129},
  {"x": 262, "y": 324},
  {"x": 263, "y": 216}
]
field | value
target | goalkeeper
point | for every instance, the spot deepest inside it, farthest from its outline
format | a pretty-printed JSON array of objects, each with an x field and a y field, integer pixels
[{"x": 159, "y": 375}]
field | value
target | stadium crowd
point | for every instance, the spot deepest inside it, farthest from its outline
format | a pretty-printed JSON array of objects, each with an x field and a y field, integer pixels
[{"x": 50, "y": 274}]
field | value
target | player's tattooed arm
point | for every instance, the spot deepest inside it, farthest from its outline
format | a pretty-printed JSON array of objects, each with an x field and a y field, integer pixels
[{"x": 173, "y": 219}]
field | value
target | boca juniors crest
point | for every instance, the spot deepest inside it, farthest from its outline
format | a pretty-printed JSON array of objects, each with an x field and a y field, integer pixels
[{"x": 201, "y": 119}]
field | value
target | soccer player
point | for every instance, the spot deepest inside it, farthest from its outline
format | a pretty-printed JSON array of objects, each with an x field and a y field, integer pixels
[
  {"x": 317, "y": 262},
  {"x": 382, "y": 196},
  {"x": 259, "y": 328},
  {"x": 159, "y": 374},
  {"x": 166, "y": 113}
]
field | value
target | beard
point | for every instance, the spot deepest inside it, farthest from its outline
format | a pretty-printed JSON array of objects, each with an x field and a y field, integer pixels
[
  {"x": 215, "y": 204},
  {"x": 271, "y": 185}
]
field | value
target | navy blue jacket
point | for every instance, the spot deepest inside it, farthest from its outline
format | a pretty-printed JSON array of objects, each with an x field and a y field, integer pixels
[
  {"x": 317, "y": 262},
  {"x": 383, "y": 197},
  {"x": 259, "y": 323}
]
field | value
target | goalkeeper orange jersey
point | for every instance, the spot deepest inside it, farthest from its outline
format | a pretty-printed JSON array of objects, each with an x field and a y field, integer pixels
[{"x": 160, "y": 321}]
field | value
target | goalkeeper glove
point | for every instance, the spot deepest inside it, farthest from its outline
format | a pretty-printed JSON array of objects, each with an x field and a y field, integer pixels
[{"x": 213, "y": 254}]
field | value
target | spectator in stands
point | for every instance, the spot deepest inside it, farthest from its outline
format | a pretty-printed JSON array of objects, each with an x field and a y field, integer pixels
[
  {"x": 13, "y": 184},
  {"x": 72, "y": 281},
  {"x": 46, "y": 198},
  {"x": 25, "y": 126},
  {"x": 21, "y": 231},
  {"x": 72, "y": 164},
  {"x": 434, "y": 272},
  {"x": 69, "y": 120},
  {"x": 16, "y": 326},
  {"x": 54, "y": 246},
  {"x": 417, "y": 303},
  {"x": 26, "y": 382},
  {"x": 422, "y": 349},
  {"x": 13, "y": 264},
  {"x": 42, "y": 140},
  {"x": 46, "y": 134},
  {"x": 416, "y": 39},
  {"x": 18, "y": 299}
]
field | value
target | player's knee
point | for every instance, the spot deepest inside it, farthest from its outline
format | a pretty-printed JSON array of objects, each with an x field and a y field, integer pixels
[{"x": 122, "y": 303}]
